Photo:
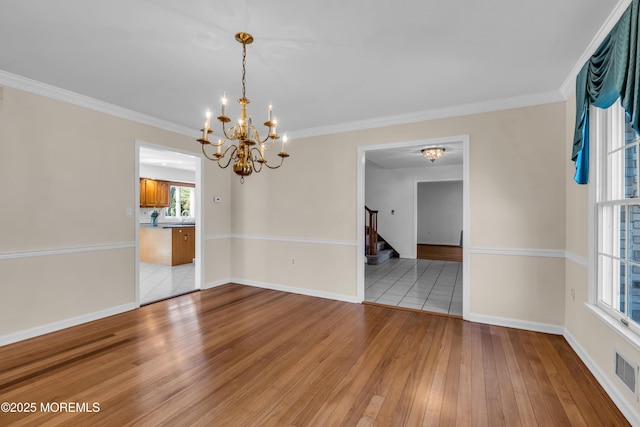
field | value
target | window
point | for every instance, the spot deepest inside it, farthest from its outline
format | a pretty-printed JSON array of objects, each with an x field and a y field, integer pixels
[
  {"x": 181, "y": 200},
  {"x": 618, "y": 215}
]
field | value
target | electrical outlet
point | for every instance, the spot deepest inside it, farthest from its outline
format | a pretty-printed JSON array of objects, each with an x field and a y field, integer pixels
[
  {"x": 573, "y": 294},
  {"x": 293, "y": 260}
]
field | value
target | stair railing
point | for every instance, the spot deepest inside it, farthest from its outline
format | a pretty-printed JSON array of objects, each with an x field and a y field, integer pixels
[{"x": 371, "y": 217}]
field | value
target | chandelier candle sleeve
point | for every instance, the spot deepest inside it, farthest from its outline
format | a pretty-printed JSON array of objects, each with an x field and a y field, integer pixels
[
  {"x": 207, "y": 125},
  {"x": 224, "y": 104}
]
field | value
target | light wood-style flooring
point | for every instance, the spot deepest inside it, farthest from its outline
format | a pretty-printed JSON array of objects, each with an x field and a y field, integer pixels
[{"x": 243, "y": 356}]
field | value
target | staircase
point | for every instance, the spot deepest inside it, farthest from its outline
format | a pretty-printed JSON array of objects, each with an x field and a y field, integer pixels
[{"x": 377, "y": 250}]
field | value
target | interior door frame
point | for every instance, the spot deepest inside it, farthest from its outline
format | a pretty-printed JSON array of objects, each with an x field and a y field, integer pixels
[
  {"x": 466, "y": 222},
  {"x": 199, "y": 214}
]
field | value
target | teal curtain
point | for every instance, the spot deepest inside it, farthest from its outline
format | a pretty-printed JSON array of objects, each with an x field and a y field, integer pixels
[{"x": 613, "y": 72}]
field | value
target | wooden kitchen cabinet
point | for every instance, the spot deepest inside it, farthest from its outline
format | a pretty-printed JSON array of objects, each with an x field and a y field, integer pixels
[
  {"x": 167, "y": 246},
  {"x": 148, "y": 190},
  {"x": 162, "y": 194},
  {"x": 183, "y": 244},
  {"x": 154, "y": 193}
]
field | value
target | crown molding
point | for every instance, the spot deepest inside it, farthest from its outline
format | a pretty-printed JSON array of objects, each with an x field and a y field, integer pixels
[
  {"x": 438, "y": 113},
  {"x": 568, "y": 86},
  {"x": 32, "y": 86},
  {"x": 22, "y": 83}
]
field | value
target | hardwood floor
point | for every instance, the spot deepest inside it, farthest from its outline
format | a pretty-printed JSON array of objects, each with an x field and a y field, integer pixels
[
  {"x": 440, "y": 252},
  {"x": 243, "y": 356}
]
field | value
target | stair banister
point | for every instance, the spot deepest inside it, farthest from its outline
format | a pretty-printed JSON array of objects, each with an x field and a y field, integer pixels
[{"x": 372, "y": 230}]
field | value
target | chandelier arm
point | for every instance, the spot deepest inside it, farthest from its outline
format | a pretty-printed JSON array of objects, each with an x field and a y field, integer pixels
[
  {"x": 257, "y": 155},
  {"x": 253, "y": 163},
  {"x": 256, "y": 134},
  {"x": 274, "y": 167},
  {"x": 231, "y": 156},
  {"x": 226, "y": 131},
  {"x": 266, "y": 138},
  {"x": 206, "y": 155}
]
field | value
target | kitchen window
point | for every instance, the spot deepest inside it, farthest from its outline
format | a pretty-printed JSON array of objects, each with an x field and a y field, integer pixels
[
  {"x": 617, "y": 215},
  {"x": 182, "y": 202}
]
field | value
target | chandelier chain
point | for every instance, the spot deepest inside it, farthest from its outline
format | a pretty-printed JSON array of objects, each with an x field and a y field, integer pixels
[{"x": 244, "y": 70}]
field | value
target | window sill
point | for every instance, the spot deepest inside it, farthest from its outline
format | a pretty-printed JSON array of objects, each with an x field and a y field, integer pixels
[{"x": 631, "y": 337}]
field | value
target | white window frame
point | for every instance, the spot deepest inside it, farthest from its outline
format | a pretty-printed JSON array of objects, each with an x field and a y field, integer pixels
[
  {"x": 177, "y": 193},
  {"x": 606, "y": 125}
]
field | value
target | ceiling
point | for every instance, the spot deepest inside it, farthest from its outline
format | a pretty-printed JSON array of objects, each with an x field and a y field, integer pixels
[
  {"x": 321, "y": 64},
  {"x": 167, "y": 159}
]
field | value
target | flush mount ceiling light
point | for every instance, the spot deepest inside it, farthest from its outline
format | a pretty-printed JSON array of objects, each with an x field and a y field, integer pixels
[
  {"x": 248, "y": 155},
  {"x": 433, "y": 153}
]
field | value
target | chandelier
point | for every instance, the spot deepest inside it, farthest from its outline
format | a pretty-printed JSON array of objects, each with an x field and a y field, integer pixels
[
  {"x": 249, "y": 153},
  {"x": 433, "y": 153}
]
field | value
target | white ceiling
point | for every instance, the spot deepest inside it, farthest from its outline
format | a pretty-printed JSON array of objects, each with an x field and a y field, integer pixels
[
  {"x": 167, "y": 159},
  {"x": 320, "y": 63}
]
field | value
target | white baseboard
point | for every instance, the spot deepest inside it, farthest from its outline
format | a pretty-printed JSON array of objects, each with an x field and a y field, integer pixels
[
  {"x": 294, "y": 290},
  {"x": 515, "y": 323},
  {"x": 627, "y": 410},
  {"x": 63, "y": 324},
  {"x": 215, "y": 284}
]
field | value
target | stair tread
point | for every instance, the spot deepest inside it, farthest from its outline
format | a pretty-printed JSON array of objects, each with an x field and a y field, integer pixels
[{"x": 382, "y": 256}]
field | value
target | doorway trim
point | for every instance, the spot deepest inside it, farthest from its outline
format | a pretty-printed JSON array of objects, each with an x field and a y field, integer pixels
[
  {"x": 466, "y": 222},
  {"x": 199, "y": 217}
]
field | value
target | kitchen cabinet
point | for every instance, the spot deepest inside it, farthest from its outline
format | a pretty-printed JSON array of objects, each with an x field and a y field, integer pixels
[
  {"x": 183, "y": 245},
  {"x": 154, "y": 193},
  {"x": 162, "y": 194},
  {"x": 167, "y": 245}
]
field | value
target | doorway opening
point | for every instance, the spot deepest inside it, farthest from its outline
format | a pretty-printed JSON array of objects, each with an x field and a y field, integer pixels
[
  {"x": 168, "y": 223},
  {"x": 389, "y": 176}
]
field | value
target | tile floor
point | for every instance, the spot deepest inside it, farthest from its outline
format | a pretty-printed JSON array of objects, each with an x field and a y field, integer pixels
[
  {"x": 434, "y": 286},
  {"x": 161, "y": 281}
]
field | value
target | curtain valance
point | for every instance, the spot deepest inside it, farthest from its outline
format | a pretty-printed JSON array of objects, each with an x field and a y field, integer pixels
[{"x": 612, "y": 72}]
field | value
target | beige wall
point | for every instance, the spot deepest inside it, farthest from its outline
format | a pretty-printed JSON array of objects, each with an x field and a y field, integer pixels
[
  {"x": 69, "y": 175},
  {"x": 81, "y": 170},
  {"x": 517, "y": 163}
]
